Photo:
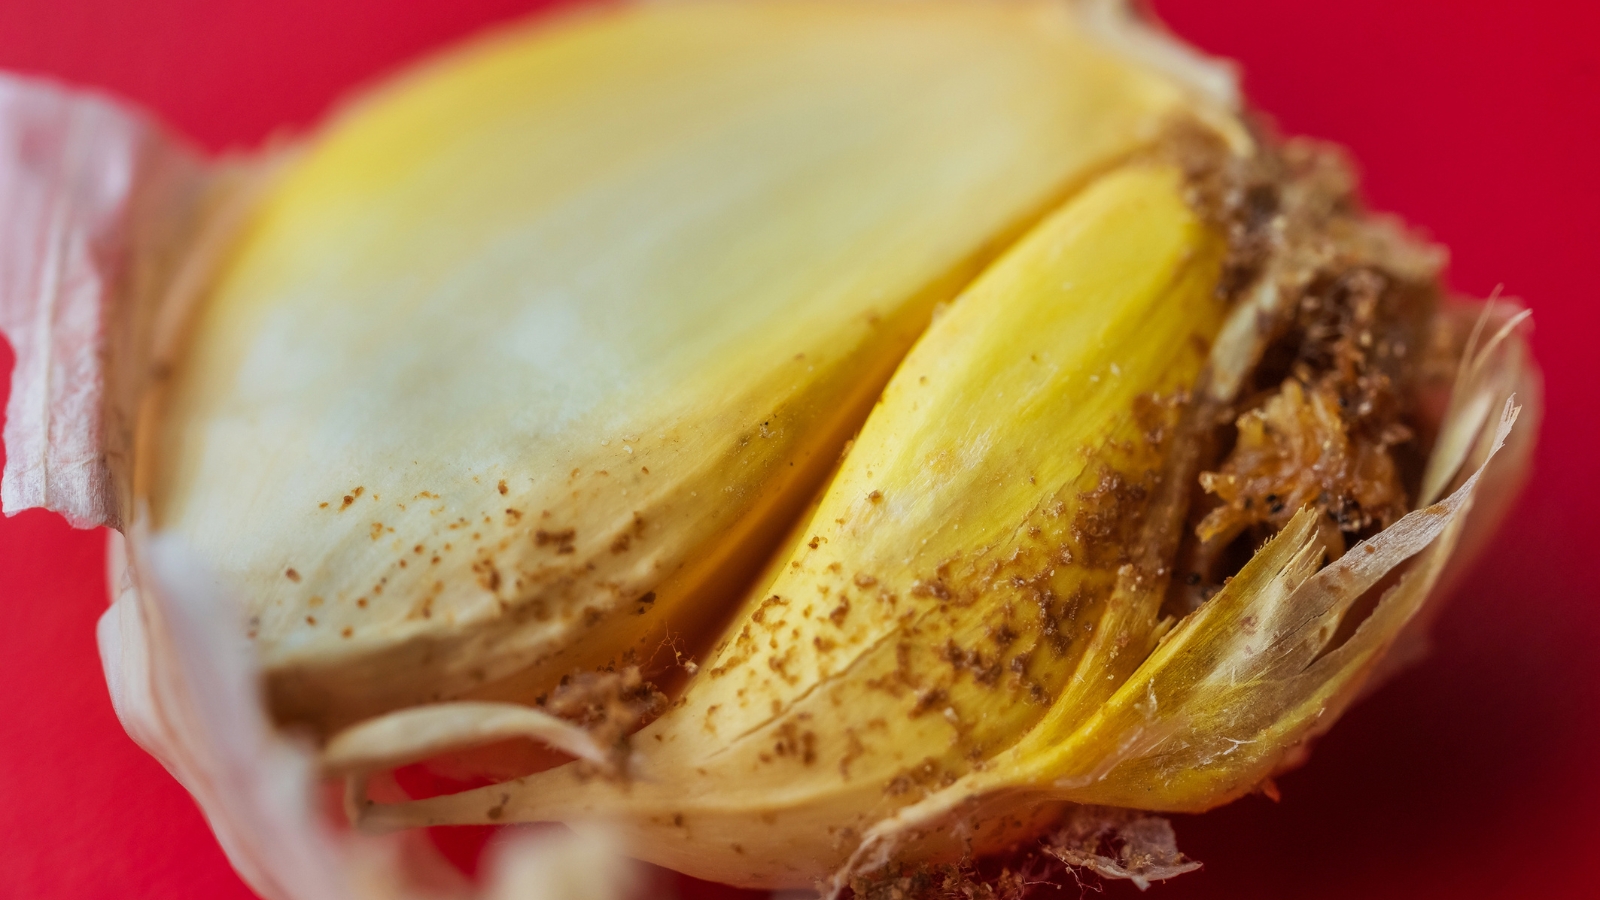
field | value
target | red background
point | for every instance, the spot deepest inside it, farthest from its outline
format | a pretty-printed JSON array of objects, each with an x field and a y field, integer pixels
[{"x": 1473, "y": 775}]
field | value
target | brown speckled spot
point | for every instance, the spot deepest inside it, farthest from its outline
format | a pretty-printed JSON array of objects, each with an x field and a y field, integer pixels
[
  {"x": 837, "y": 616},
  {"x": 562, "y": 539}
]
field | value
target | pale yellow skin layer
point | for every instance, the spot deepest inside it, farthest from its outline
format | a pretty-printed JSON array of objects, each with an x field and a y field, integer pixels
[
  {"x": 950, "y": 585},
  {"x": 583, "y": 313}
]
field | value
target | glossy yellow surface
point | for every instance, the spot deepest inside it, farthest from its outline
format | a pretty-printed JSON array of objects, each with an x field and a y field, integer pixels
[
  {"x": 536, "y": 350},
  {"x": 949, "y": 584}
]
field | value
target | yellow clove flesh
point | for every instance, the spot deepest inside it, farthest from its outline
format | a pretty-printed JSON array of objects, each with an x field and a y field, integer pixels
[
  {"x": 571, "y": 323},
  {"x": 968, "y": 564}
]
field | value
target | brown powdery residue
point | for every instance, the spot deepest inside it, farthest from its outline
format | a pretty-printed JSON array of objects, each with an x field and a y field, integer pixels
[
  {"x": 1295, "y": 451},
  {"x": 610, "y": 706},
  {"x": 1107, "y": 527},
  {"x": 840, "y": 612},
  {"x": 854, "y": 750},
  {"x": 928, "y": 776},
  {"x": 929, "y": 699},
  {"x": 793, "y": 742},
  {"x": 561, "y": 540},
  {"x": 1329, "y": 420},
  {"x": 984, "y": 672},
  {"x": 488, "y": 575},
  {"x": 1328, "y": 415}
]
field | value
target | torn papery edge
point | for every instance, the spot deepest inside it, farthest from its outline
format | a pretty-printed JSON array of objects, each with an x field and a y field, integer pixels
[
  {"x": 74, "y": 168},
  {"x": 183, "y": 681},
  {"x": 109, "y": 226}
]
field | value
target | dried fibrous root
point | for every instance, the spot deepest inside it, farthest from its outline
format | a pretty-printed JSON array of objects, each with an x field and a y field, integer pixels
[{"x": 1118, "y": 844}]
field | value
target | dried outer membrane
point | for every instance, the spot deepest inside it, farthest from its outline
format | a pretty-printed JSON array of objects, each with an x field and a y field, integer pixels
[
  {"x": 116, "y": 233},
  {"x": 101, "y": 207},
  {"x": 1109, "y": 842}
]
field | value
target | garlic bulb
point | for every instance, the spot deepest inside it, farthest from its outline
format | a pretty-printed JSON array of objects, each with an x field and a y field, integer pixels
[{"x": 545, "y": 359}]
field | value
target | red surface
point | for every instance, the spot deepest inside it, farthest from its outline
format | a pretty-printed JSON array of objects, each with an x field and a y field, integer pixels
[{"x": 1472, "y": 776}]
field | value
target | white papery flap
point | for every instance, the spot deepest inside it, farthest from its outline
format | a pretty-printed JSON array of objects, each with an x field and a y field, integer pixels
[
  {"x": 100, "y": 206},
  {"x": 184, "y": 683}
]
